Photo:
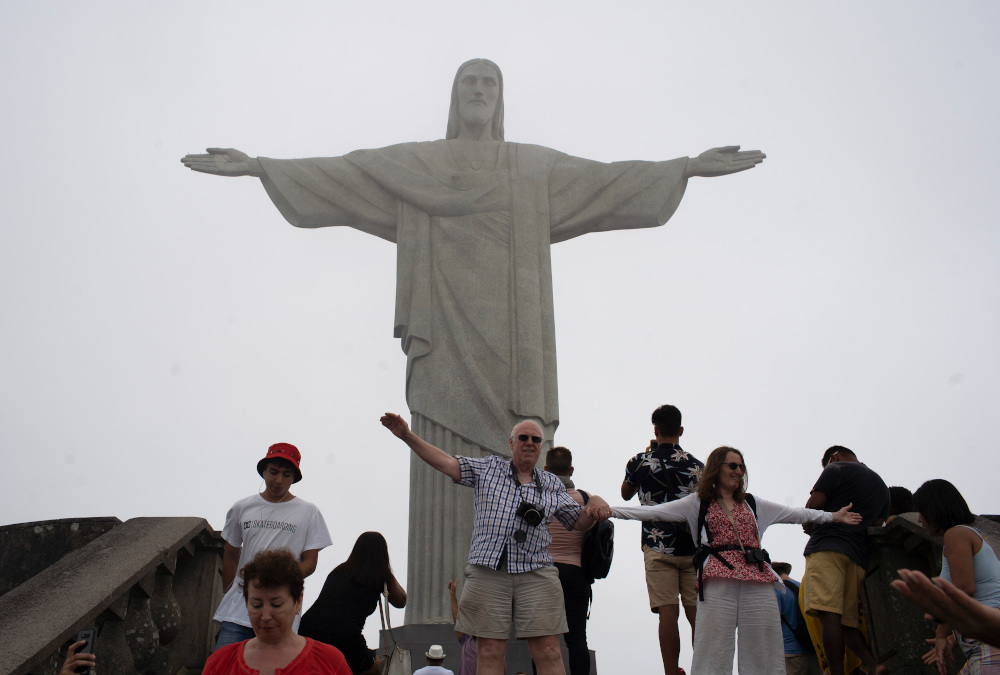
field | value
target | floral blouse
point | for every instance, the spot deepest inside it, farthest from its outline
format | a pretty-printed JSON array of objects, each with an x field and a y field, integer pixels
[{"x": 722, "y": 534}]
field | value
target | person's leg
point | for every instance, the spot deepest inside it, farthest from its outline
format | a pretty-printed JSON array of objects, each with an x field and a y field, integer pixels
[
  {"x": 491, "y": 656},
  {"x": 715, "y": 639},
  {"x": 833, "y": 641},
  {"x": 850, "y": 620},
  {"x": 690, "y": 611},
  {"x": 230, "y": 633},
  {"x": 540, "y": 616},
  {"x": 688, "y": 582},
  {"x": 546, "y": 655},
  {"x": 670, "y": 638},
  {"x": 663, "y": 584},
  {"x": 576, "y": 594},
  {"x": 761, "y": 648}
]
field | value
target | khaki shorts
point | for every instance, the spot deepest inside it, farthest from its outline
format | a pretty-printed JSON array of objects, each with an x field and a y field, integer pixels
[
  {"x": 494, "y": 600},
  {"x": 668, "y": 576},
  {"x": 831, "y": 584}
]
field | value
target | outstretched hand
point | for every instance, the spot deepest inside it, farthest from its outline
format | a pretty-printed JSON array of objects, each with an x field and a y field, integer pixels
[
  {"x": 723, "y": 161},
  {"x": 943, "y": 601},
  {"x": 224, "y": 162},
  {"x": 396, "y": 424},
  {"x": 846, "y": 516}
]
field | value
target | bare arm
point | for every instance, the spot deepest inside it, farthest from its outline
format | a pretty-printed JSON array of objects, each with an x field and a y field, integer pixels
[
  {"x": 453, "y": 592},
  {"x": 309, "y": 560},
  {"x": 628, "y": 491},
  {"x": 230, "y": 563},
  {"x": 434, "y": 456},
  {"x": 958, "y": 550},
  {"x": 224, "y": 162},
  {"x": 723, "y": 161},
  {"x": 397, "y": 596},
  {"x": 596, "y": 511}
]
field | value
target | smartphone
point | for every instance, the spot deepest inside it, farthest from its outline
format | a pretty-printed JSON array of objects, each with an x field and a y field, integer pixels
[
  {"x": 652, "y": 444},
  {"x": 88, "y": 635}
]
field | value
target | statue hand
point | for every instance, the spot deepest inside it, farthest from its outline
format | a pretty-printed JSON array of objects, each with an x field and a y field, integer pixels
[
  {"x": 224, "y": 162},
  {"x": 723, "y": 161}
]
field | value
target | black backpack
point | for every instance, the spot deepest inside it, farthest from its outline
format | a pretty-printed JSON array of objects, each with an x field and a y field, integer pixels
[
  {"x": 801, "y": 631},
  {"x": 598, "y": 547}
]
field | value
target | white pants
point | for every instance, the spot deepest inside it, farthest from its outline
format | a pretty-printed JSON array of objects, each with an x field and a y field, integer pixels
[{"x": 749, "y": 606}]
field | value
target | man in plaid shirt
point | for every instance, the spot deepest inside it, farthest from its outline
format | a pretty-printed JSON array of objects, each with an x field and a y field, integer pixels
[
  {"x": 664, "y": 473},
  {"x": 509, "y": 565}
]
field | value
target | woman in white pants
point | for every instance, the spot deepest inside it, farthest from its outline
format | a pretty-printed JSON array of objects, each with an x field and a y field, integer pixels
[{"x": 736, "y": 585}]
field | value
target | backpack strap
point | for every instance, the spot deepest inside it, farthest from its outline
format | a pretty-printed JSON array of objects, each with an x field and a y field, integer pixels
[{"x": 586, "y": 497}]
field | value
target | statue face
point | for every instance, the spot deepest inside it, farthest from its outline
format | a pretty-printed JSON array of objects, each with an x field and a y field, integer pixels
[{"x": 478, "y": 91}]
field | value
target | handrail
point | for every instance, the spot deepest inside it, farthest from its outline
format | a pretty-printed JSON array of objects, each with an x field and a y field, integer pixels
[{"x": 149, "y": 584}]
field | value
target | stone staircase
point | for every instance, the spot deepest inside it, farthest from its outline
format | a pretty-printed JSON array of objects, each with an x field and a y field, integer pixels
[{"x": 149, "y": 585}]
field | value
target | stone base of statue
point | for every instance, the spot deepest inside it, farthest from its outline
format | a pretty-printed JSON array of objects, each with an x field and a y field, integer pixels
[{"x": 419, "y": 637}]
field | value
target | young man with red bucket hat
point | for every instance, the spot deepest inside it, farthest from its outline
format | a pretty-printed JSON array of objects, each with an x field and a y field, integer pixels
[{"x": 272, "y": 519}]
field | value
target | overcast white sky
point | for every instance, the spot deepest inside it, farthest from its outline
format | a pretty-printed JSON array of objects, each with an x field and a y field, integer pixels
[{"x": 161, "y": 328}]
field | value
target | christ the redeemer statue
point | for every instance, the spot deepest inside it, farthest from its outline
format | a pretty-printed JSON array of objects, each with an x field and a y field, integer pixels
[{"x": 473, "y": 217}]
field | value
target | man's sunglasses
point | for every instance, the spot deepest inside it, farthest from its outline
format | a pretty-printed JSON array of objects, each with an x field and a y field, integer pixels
[
  {"x": 735, "y": 465},
  {"x": 524, "y": 438}
]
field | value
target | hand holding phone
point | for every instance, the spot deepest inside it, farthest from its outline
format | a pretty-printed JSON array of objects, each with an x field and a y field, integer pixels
[{"x": 80, "y": 655}]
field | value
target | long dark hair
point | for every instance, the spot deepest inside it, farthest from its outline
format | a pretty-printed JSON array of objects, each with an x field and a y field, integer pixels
[
  {"x": 710, "y": 474},
  {"x": 496, "y": 125},
  {"x": 368, "y": 564},
  {"x": 941, "y": 505}
]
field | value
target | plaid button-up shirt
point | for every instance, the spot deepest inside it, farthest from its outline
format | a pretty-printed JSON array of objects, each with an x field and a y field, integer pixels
[{"x": 497, "y": 498}]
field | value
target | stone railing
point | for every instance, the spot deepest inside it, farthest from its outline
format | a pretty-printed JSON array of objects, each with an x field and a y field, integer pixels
[
  {"x": 896, "y": 628},
  {"x": 149, "y": 585}
]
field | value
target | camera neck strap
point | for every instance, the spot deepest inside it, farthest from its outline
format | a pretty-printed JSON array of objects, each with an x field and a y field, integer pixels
[
  {"x": 517, "y": 481},
  {"x": 736, "y": 530}
]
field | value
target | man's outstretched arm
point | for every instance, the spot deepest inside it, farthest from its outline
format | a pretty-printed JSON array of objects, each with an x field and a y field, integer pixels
[
  {"x": 224, "y": 162},
  {"x": 434, "y": 456}
]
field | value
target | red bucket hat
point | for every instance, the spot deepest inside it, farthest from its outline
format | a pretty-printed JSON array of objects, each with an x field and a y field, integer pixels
[{"x": 285, "y": 451}]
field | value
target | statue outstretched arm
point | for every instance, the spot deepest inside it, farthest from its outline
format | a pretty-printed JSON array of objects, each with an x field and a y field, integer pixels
[
  {"x": 224, "y": 162},
  {"x": 723, "y": 161}
]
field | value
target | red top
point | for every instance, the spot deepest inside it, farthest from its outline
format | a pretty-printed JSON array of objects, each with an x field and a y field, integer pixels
[
  {"x": 722, "y": 534},
  {"x": 316, "y": 658}
]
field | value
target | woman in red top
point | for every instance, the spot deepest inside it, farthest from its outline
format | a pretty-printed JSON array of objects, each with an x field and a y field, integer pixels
[{"x": 272, "y": 587}]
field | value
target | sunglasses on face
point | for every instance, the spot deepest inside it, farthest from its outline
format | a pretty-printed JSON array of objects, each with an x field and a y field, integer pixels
[
  {"x": 735, "y": 465},
  {"x": 524, "y": 438}
]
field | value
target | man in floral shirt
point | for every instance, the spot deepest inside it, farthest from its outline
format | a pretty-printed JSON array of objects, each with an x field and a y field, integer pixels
[{"x": 664, "y": 473}]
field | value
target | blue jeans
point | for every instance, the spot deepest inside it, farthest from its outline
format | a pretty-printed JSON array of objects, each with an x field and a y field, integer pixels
[{"x": 233, "y": 632}]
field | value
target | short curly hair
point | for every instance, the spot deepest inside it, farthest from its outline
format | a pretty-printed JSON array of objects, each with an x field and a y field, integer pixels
[{"x": 273, "y": 569}]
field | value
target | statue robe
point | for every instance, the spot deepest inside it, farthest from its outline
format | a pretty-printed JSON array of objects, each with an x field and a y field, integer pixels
[{"x": 473, "y": 294}]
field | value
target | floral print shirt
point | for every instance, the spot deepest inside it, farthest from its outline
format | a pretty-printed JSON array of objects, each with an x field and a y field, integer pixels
[{"x": 662, "y": 475}]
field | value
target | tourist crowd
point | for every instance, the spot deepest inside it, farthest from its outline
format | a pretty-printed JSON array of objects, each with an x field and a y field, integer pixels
[{"x": 530, "y": 572}]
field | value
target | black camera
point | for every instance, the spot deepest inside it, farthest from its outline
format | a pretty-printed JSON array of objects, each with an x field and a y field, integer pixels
[
  {"x": 756, "y": 556},
  {"x": 531, "y": 513}
]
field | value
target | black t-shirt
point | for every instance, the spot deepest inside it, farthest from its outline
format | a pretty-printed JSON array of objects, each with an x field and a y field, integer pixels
[{"x": 844, "y": 483}]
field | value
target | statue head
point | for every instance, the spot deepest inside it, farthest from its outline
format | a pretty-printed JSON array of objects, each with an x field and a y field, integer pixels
[{"x": 454, "y": 112}]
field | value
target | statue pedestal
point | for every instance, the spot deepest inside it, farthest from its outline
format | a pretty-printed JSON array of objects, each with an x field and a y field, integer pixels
[{"x": 419, "y": 637}]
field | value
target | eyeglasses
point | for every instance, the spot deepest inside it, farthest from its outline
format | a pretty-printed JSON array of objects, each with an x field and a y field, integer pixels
[
  {"x": 524, "y": 437},
  {"x": 735, "y": 465}
]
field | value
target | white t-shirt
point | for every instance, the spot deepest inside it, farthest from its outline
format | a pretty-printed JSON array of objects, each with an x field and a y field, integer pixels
[
  {"x": 433, "y": 670},
  {"x": 254, "y": 525}
]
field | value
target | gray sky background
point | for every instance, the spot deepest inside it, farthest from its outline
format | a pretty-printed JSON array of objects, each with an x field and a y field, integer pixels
[{"x": 162, "y": 327}]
